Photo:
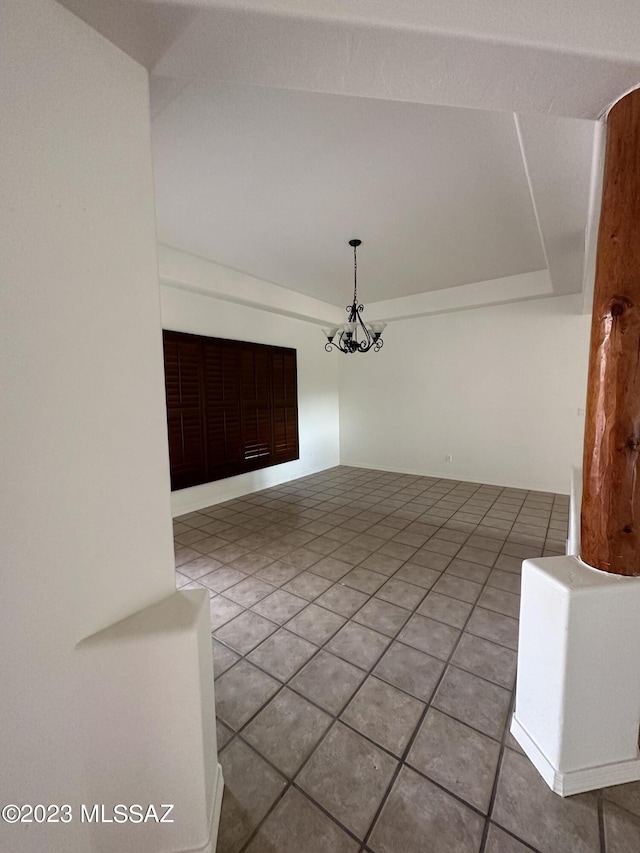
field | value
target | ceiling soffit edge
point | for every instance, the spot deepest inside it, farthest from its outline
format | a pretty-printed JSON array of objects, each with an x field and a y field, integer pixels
[{"x": 185, "y": 272}]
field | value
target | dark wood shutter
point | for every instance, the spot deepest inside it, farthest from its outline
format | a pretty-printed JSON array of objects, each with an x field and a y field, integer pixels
[
  {"x": 231, "y": 407},
  {"x": 255, "y": 373},
  {"x": 222, "y": 412},
  {"x": 184, "y": 412},
  {"x": 285, "y": 405}
]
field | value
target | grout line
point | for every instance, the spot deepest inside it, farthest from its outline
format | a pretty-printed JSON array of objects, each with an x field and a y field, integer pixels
[
  {"x": 508, "y": 832},
  {"x": 494, "y": 788},
  {"x": 602, "y": 833}
]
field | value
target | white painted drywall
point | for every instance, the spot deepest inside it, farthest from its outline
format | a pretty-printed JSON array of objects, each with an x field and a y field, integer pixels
[
  {"x": 497, "y": 388},
  {"x": 318, "y": 386},
  {"x": 463, "y": 63},
  {"x": 85, "y": 509},
  {"x": 478, "y": 294},
  {"x": 199, "y": 275}
]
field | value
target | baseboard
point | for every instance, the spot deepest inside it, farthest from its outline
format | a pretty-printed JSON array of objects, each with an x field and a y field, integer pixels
[
  {"x": 214, "y": 818},
  {"x": 449, "y": 475},
  {"x": 217, "y": 808},
  {"x": 178, "y": 508},
  {"x": 574, "y": 781}
]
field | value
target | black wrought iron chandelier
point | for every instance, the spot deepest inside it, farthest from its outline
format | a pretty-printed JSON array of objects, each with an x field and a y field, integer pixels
[{"x": 355, "y": 335}]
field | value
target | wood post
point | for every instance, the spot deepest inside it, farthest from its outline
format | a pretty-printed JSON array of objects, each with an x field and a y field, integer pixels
[{"x": 610, "y": 522}]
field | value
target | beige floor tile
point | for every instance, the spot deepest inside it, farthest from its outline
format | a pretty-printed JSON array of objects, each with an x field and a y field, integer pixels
[
  {"x": 528, "y": 808},
  {"x": 223, "y": 610},
  {"x": 417, "y": 575},
  {"x": 199, "y": 567},
  {"x": 348, "y": 776},
  {"x": 241, "y": 692},
  {"x": 245, "y": 632},
  {"x": 384, "y": 714},
  {"x": 359, "y": 645},
  {"x": 223, "y": 658},
  {"x": 278, "y": 573},
  {"x": 445, "y": 749},
  {"x": 280, "y": 606},
  {"x": 249, "y": 591},
  {"x": 283, "y": 654},
  {"x": 316, "y": 624},
  {"x": 287, "y": 730},
  {"x": 445, "y": 609},
  {"x": 468, "y": 571},
  {"x": 494, "y": 626},
  {"x": 473, "y": 700},
  {"x": 500, "y": 601},
  {"x": 456, "y": 587},
  {"x": 627, "y": 796},
  {"x": 411, "y": 670},
  {"x": 251, "y": 787},
  {"x": 342, "y": 599},
  {"x": 295, "y": 822},
  {"x": 499, "y": 841},
  {"x": 428, "y": 635},
  {"x": 382, "y": 616},
  {"x": 308, "y": 585},
  {"x": 332, "y": 568},
  {"x": 328, "y": 681},
  {"x": 221, "y": 579},
  {"x": 419, "y": 817},
  {"x": 400, "y": 592},
  {"x": 486, "y": 659},
  {"x": 621, "y": 829}
]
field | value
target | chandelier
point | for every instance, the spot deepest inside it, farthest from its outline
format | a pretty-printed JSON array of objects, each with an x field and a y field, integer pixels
[{"x": 355, "y": 335}]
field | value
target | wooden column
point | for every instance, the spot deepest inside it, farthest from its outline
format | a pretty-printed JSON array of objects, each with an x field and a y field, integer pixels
[{"x": 610, "y": 523}]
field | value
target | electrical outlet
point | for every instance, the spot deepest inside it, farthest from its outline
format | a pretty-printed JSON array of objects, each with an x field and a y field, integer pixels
[
  {"x": 581, "y": 412},
  {"x": 448, "y": 458}
]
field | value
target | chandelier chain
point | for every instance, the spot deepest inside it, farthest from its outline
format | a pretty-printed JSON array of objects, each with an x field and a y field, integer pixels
[{"x": 355, "y": 275}]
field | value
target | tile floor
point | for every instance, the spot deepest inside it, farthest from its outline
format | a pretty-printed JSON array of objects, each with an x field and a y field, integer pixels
[{"x": 365, "y": 635}]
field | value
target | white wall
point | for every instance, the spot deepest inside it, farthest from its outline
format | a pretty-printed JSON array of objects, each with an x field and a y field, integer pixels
[
  {"x": 318, "y": 386},
  {"x": 497, "y": 388},
  {"x": 85, "y": 510}
]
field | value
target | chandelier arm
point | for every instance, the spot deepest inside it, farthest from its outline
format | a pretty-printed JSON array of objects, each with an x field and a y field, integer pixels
[{"x": 366, "y": 343}]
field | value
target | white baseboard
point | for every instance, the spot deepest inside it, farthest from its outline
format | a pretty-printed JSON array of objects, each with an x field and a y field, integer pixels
[
  {"x": 451, "y": 475},
  {"x": 214, "y": 819},
  {"x": 217, "y": 808},
  {"x": 181, "y": 505},
  {"x": 574, "y": 781}
]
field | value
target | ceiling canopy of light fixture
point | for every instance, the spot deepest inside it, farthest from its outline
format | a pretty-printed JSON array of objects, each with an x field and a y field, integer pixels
[{"x": 355, "y": 335}]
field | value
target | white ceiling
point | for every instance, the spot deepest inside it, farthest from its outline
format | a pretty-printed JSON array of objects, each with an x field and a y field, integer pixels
[
  {"x": 282, "y": 128},
  {"x": 275, "y": 182}
]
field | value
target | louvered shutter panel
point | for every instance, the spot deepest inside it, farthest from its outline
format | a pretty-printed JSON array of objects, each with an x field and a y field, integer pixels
[
  {"x": 184, "y": 411},
  {"x": 223, "y": 421},
  {"x": 255, "y": 385},
  {"x": 285, "y": 405}
]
